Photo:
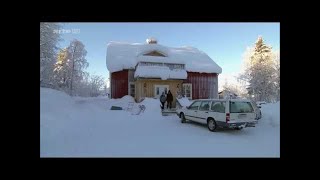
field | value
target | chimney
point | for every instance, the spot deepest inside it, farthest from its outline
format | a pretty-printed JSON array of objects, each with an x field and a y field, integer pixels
[{"x": 151, "y": 41}]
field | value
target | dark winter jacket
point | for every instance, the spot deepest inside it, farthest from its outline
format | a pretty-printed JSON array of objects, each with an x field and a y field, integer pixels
[
  {"x": 163, "y": 98},
  {"x": 169, "y": 97}
]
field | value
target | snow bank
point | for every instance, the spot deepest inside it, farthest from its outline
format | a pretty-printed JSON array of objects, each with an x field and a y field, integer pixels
[
  {"x": 55, "y": 105},
  {"x": 122, "y": 102},
  {"x": 54, "y": 96},
  {"x": 126, "y": 56},
  {"x": 162, "y": 72},
  {"x": 152, "y": 107},
  {"x": 271, "y": 114},
  {"x": 57, "y": 115}
]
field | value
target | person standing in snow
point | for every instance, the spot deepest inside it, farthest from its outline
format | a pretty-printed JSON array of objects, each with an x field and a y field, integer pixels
[
  {"x": 169, "y": 100},
  {"x": 163, "y": 99}
]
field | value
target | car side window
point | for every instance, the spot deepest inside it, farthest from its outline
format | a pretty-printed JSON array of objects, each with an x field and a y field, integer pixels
[
  {"x": 195, "y": 105},
  {"x": 218, "y": 107},
  {"x": 205, "y": 105}
]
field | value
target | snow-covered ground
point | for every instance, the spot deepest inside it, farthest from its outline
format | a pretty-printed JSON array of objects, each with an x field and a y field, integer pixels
[{"x": 85, "y": 127}]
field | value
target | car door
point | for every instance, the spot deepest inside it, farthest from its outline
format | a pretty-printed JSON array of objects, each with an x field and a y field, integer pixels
[
  {"x": 203, "y": 112},
  {"x": 192, "y": 111},
  {"x": 218, "y": 109}
]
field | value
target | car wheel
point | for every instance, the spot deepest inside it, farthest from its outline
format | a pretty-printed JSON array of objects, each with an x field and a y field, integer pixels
[
  {"x": 212, "y": 125},
  {"x": 183, "y": 119}
]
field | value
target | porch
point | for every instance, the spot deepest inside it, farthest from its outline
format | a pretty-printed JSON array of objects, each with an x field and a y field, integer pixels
[{"x": 153, "y": 88}]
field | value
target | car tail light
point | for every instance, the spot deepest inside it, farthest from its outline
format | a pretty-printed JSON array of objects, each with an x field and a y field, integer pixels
[{"x": 227, "y": 117}]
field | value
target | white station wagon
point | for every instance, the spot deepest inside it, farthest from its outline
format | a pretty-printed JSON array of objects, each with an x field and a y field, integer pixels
[{"x": 223, "y": 113}]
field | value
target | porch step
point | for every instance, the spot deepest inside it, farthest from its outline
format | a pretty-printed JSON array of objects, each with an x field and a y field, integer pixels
[{"x": 168, "y": 112}]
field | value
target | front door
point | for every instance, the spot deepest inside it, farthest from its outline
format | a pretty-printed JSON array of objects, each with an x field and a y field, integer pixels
[{"x": 158, "y": 89}]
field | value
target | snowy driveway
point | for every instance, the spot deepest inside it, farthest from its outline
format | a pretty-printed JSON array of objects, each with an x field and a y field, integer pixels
[{"x": 86, "y": 128}]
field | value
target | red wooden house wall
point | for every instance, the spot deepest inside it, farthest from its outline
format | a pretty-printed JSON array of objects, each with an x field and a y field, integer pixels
[
  {"x": 119, "y": 84},
  {"x": 202, "y": 84}
]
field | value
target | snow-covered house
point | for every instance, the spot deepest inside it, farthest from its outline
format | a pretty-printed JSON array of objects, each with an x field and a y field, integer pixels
[{"x": 147, "y": 70}]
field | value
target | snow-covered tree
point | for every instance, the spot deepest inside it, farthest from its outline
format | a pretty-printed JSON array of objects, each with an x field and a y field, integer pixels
[
  {"x": 260, "y": 72},
  {"x": 83, "y": 87},
  {"x": 96, "y": 83},
  {"x": 70, "y": 66},
  {"x": 277, "y": 75},
  {"x": 48, "y": 50},
  {"x": 78, "y": 62},
  {"x": 62, "y": 69},
  {"x": 236, "y": 88},
  {"x": 89, "y": 86}
]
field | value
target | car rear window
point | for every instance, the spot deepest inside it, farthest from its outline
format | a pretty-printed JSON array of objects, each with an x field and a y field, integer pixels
[{"x": 241, "y": 107}]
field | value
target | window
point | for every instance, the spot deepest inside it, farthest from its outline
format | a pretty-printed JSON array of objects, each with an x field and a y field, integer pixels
[
  {"x": 150, "y": 64},
  {"x": 205, "y": 105},
  {"x": 241, "y": 107},
  {"x": 178, "y": 66},
  {"x": 187, "y": 90},
  {"x": 170, "y": 66},
  {"x": 195, "y": 105},
  {"x": 132, "y": 89},
  {"x": 157, "y": 90},
  {"x": 218, "y": 107}
]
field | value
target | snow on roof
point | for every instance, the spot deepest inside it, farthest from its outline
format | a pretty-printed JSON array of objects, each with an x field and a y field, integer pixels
[
  {"x": 162, "y": 72},
  {"x": 126, "y": 56},
  {"x": 157, "y": 59}
]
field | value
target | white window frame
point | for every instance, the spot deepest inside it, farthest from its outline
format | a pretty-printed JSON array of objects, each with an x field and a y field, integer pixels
[
  {"x": 184, "y": 85},
  {"x": 129, "y": 89}
]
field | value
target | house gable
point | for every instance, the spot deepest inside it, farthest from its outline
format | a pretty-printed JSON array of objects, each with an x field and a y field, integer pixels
[{"x": 154, "y": 53}]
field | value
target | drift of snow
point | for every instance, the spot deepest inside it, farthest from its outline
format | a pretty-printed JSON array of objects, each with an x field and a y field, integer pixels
[
  {"x": 271, "y": 114},
  {"x": 86, "y": 127},
  {"x": 126, "y": 56},
  {"x": 122, "y": 102},
  {"x": 162, "y": 72}
]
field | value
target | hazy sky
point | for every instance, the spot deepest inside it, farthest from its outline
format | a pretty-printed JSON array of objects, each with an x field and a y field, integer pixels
[{"x": 223, "y": 42}]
